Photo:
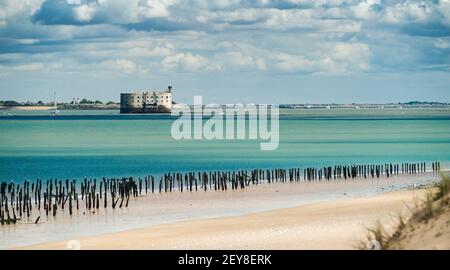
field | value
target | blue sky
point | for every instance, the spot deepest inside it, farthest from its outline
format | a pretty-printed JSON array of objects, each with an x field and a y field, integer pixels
[{"x": 250, "y": 51}]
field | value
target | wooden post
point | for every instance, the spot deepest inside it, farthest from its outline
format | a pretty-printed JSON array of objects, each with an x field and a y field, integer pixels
[{"x": 70, "y": 204}]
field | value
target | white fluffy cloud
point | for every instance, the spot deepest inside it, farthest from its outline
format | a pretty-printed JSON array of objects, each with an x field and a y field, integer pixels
[
  {"x": 84, "y": 13},
  {"x": 132, "y": 11},
  {"x": 444, "y": 9},
  {"x": 408, "y": 11},
  {"x": 442, "y": 44},
  {"x": 73, "y": 2},
  {"x": 10, "y": 9},
  {"x": 166, "y": 36},
  {"x": 335, "y": 59},
  {"x": 123, "y": 65},
  {"x": 120, "y": 11},
  {"x": 240, "y": 61},
  {"x": 186, "y": 62}
]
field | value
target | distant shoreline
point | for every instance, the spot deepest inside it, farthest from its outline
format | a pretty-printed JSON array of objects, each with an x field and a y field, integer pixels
[
  {"x": 27, "y": 108},
  {"x": 60, "y": 107},
  {"x": 281, "y": 106}
]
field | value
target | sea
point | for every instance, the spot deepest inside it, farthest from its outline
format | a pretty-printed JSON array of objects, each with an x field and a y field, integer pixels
[{"x": 96, "y": 144}]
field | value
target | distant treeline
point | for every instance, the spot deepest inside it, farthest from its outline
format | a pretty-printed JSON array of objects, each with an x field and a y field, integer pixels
[
  {"x": 368, "y": 105},
  {"x": 426, "y": 103},
  {"x": 12, "y": 103},
  {"x": 9, "y": 103},
  {"x": 90, "y": 102},
  {"x": 89, "y": 106},
  {"x": 84, "y": 101}
]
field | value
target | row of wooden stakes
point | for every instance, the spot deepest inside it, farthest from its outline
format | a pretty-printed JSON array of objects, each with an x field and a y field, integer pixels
[{"x": 18, "y": 201}]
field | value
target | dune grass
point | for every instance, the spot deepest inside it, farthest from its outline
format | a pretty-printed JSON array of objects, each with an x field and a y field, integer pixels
[{"x": 435, "y": 202}]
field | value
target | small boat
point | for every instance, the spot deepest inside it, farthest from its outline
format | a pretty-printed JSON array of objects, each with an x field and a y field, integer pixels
[{"x": 55, "y": 110}]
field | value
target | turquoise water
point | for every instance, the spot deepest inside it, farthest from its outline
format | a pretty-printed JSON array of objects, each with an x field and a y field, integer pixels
[{"x": 105, "y": 144}]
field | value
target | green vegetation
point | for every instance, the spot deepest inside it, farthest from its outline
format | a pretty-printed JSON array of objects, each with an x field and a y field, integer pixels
[
  {"x": 433, "y": 103},
  {"x": 84, "y": 104},
  {"x": 90, "y": 102},
  {"x": 85, "y": 101},
  {"x": 434, "y": 205},
  {"x": 9, "y": 103},
  {"x": 443, "y": 187}
]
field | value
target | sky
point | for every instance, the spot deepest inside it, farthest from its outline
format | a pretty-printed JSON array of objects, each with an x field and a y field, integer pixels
[{"x": 228, "y": 51}]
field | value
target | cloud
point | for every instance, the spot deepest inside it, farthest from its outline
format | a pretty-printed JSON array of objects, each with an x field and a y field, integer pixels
[
  {"x": 21, "y": 68},
  {"x": 28, "y": 67},
  {"x": 12, "y": 11},
  {"x": 73, "y": 2},
  {"x": 239, "y": 61},
  {"x": 84, "y": 13},
  {"x": 442, "y": 44},
  {"x": 185, "y": 62},
  {"x": 354, "y": 56},
  {"x": 122, "y": 65},
  {"x": 293, "y": 63},
  {"x": 226, "y": 36},
  {"x": 80, "y": 12},
  {"x": 336, "y": 59}
]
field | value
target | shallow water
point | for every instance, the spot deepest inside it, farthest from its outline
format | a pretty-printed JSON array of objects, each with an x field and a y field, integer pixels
[
  {"x": 156, "y": 209},
  {"x": 105, "y": 144}
]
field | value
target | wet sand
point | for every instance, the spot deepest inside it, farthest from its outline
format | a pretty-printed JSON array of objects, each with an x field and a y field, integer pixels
[
  {"x": 338, "y": 224},
  {"x": 172, "y": 208}
]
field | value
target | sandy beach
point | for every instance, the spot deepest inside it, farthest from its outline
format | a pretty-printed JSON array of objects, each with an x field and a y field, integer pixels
[
  {"x": 32, "y": 108},
  {"x": 163, "y": 209},
  {"x": 338, "y": 224}
]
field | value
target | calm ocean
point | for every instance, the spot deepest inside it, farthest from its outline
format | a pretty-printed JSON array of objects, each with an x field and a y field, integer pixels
[{"x": 106, "y": 144}]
